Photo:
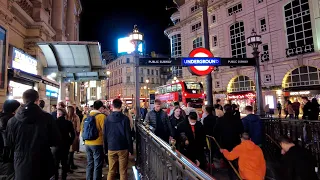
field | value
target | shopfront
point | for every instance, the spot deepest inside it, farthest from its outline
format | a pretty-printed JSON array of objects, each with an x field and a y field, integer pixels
[
  {"x": 297, "y": 95},
  {"x": 242, "y": 99},
  {"x": 22, "y": 75}
]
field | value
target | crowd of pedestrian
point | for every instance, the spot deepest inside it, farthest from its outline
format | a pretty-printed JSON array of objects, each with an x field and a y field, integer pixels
[
  {"x": 310, "y": 109},
  {"x": 236, "y": 140},
  {"x": 35, "y": 143}
]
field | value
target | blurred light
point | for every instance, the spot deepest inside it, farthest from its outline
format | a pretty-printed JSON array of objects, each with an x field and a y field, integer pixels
[
  {"x": 175, "y": 78},
  {"x": 10, "y": 97},
  {"x": 125, "y": 46},
  {"x": 53, "y": 75}
]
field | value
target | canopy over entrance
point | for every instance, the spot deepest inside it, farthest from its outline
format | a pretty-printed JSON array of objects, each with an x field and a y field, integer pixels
[{"x": 75, "y": 61}]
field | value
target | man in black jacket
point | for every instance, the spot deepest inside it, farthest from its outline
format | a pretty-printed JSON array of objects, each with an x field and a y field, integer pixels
[
  {"x": 31, "y": 133},
  {"x": 159, "y": 122},
  {"x": 117, "y": 140},
  {"x": 67, "y": 137},
  {"x": 298, "y": 164},
  {"x": 193, "y": 139},
  {"x": 6, "y": 155}
]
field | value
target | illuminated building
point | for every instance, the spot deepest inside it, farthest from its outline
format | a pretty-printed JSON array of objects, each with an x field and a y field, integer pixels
[
  {"x": 289, "y": 53},
  {"x": 23, "y": 24}
]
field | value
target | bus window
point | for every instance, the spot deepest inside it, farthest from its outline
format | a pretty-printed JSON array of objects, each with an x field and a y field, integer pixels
[
  {"x": 169, "y": 89},
  {"x": 179, "y": 87},
  {"x": 174, "y": 88},
  {"x": 193, "y": 88}
]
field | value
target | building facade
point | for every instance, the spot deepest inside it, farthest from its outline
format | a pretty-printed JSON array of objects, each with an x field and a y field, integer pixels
[
  {"x": 121, "y": 82},
  {"x": 289, "y": 53},
  {"x": 23, "y": 24}
]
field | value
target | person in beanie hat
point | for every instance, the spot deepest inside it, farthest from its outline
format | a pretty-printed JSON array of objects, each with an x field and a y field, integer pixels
[{"x": 6, "y": 159}]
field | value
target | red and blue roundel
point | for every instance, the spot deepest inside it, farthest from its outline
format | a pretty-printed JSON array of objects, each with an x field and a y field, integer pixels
[{"x": 200, "y": 70}]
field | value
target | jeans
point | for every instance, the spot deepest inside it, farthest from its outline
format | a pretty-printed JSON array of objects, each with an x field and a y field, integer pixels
[
  {"x": 95, "y": 159},
  {"x": 114, "y": 156}
]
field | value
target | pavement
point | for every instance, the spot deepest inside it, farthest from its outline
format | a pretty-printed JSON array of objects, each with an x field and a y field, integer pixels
[{"x": 81, "y": 162}]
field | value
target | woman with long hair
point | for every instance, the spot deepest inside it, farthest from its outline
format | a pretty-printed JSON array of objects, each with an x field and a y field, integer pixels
[
  {"x": 74, "y": 118},
  {"x": 176, "y": 118}
]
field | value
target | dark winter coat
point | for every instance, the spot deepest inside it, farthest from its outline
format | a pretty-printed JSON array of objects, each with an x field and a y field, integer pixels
[
  {"x": 66, "y": 131},
  {"x": 209, "y": 125},
  {"x": 298, "y": 164},
  {"x": 117, "y": 133},
  {"x": 252, "y": 124},
  {"x": 195, "y": 150},
  {"x": 307, "y": 108},
  {"x": 229, "y": 128},
  {"x": 174, "y": 123},
  {"x": 160, "y": 118},
  {"x": 31, "y": 133}
]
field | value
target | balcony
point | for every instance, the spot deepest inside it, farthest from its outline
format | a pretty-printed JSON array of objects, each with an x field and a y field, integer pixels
[
  {"x": 293, "y": 51},
  {"x": 26, "y": 5}
]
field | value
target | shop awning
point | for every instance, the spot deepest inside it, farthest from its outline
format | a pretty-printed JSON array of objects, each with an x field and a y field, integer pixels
[{"x": 76, "y": 61}]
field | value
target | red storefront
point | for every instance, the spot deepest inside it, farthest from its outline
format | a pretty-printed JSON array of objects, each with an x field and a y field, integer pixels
[{"x": 242, "y": 99}]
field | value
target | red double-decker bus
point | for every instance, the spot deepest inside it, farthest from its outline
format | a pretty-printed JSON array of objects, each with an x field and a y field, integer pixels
[{"x": 182, "y": 92}]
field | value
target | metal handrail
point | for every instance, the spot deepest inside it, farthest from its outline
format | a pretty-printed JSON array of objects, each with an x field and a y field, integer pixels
[
  {"x": 190, "y": 166},
  {"x": 233, "y": 168}
]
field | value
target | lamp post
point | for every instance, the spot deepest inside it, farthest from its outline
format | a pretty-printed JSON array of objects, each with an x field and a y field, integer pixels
[
  {"x": 204, "y": 5},
  {"x": 254, "y": 41},
  {"x": 108, "y": 79},
  {"x": 136, "y": 38}
]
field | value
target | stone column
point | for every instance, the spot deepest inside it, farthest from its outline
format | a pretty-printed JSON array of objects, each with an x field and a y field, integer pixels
[
  {"x": 71, "y": 21},
  {"x": 62, "y": 91},
  {"x": 57, "y": 18}
]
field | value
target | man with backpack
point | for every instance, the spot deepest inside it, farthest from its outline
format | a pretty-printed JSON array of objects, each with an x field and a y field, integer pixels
[{"x": 92, "y": 134}]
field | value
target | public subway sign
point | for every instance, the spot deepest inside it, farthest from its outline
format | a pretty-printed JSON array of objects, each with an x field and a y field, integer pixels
[
  {"x": 24, "y": 62},
  {"x": 196, "y": 57},
  {"x": 217, "y": 61},
  {"x": 159, "y": 61}
]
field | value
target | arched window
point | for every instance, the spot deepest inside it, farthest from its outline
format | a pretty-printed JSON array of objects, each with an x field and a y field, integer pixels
[
  {"x": 238, "y": 40},
  {"x": 299, "y": 30},
  {"x": 241, "y": 83},
  {"x": 302, "y": 76}
]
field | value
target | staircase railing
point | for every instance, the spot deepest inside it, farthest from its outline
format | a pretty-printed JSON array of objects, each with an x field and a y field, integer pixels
[{"x": 157, "y": 160}]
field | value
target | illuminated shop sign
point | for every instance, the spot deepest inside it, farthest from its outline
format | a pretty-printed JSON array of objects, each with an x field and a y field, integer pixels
[
  {"x": 52, "y": 91},
  {"x": 299, "y": 93},
  {"x": 24, "y": 62},
  {"x": 242, "y": 96}
]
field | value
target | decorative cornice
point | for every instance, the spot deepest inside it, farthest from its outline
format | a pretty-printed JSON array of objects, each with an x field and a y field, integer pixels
[{"x": 6, "y": 16}]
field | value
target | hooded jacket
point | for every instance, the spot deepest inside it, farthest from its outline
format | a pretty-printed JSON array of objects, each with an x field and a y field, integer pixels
[
  {"x": 117, "y": 133},
  {"x": 252, "y": 124},
  {"x": 31, "y": 133},
  {"x": 252, "y": 165}
]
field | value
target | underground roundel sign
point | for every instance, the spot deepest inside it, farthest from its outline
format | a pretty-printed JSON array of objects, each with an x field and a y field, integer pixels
[{"x": 200, "y": 70}]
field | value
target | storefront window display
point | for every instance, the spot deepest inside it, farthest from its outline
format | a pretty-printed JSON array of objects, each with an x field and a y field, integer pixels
[
  {"x": 242, "y": 100},
  {"x": 16, "y": 90}
]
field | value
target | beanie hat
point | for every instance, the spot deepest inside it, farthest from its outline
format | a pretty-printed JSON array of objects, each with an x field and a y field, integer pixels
[{"x": 10, "y": 106}]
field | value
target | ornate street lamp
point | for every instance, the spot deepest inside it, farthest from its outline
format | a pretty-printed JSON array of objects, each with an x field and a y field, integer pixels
[
  {"x": 108, "y": 79},
  {"x": 254, "y": 41},
  {"x": 136, "y": 38}
]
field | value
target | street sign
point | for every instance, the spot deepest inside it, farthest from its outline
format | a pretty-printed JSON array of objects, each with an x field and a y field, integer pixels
[
  {"x": 200, "y": 70},
  {"x": 159, "y": 61},
  {"x": 217, "y": 61}
]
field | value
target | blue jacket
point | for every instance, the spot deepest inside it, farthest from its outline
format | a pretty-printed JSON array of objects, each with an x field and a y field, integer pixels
[
  {"x": 117, "y": 133},
  {"x": 252, "y": 124}
]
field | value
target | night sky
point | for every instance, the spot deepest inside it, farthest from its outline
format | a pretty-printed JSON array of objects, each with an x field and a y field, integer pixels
[{"x": 107, "y": 20}]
